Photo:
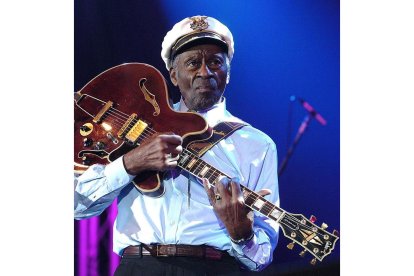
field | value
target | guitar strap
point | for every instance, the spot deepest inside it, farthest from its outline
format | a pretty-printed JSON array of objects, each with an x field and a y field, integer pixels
[{"x": 220, "y": 131}]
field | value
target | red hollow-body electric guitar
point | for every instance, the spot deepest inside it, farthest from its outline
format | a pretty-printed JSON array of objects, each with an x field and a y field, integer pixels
[{"x": 124, "y": 105}]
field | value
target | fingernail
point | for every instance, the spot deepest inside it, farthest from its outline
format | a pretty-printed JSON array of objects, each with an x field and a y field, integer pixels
[{"x": 206, "y": 183}]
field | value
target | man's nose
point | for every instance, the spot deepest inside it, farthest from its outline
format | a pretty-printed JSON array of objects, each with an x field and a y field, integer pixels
[{"x": 204, "y": 71}]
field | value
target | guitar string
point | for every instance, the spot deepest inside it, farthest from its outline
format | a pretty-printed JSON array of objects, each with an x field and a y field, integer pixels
[
  {"x": 116, "y": 116},
  {"x": 118, "y": 112},
  {"x": 119, "y": 115}
]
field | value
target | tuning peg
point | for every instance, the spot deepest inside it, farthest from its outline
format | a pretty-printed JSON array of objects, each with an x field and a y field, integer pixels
[
  {"x": 312, "y": 218},
  {"x": 335, "y": 232},
  {"x": 324, "y": 226},
  {"x": 302, "y": 253},
  {"x": 313, "y": 261},
  {"x": 290, "y": 245}
]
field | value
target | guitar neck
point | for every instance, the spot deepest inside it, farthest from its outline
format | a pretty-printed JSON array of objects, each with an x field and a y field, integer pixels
[{"x": 199, "y": 168}]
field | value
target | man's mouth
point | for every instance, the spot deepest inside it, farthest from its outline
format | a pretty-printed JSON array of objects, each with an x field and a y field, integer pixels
[
  {"x": 206, "y": 85},
  {"x": 205, "y": 88}
]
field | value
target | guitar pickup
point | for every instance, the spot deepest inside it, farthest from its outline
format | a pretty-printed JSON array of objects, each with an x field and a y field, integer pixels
[{"x": 132, "y": 129}]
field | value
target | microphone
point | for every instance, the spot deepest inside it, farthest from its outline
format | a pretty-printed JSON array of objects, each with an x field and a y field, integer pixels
[{"x": 310, "y": 109}]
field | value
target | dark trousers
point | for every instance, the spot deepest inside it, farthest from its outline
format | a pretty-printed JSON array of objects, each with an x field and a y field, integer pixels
[{"x": 148, "y": 265}]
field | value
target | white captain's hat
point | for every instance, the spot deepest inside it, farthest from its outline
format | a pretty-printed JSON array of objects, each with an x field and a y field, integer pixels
[{"x": 195, "y": 29}]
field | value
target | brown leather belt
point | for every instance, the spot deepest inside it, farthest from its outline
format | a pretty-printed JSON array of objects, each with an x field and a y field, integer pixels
[{"x": 174, "y": 250}]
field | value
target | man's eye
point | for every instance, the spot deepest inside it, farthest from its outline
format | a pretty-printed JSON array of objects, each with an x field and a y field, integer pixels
[
  {"x": 192, "y": 63},
  {"x": 215, "y": 63}
]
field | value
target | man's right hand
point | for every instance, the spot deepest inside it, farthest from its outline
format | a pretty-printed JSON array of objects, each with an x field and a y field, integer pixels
[{"x": 157, "y": 153}]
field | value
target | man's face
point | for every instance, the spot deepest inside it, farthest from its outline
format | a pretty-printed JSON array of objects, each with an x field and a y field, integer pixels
[{"x": 200, "y": 73}]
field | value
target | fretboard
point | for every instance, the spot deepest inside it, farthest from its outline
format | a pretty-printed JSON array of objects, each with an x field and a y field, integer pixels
[{"x": 191, "y": 163}]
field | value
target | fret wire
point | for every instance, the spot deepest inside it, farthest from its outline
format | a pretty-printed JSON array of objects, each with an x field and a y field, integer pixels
[
  {"x": 209, "y": 171},
  {"x": 270, "y": 206},
  {"x": 213, "y": 176},
  {"x": 266, "y": 208},
  {"x": 249, "y": 200},
  {"x": 183, "y": 160},
  {"x": 200, "y": 169},
  {"x": 199, "y": 165},
  {"x": 186, "y": 163},
  {"x": 182, "y": 164},
  {"x": 216, "y": 175}
]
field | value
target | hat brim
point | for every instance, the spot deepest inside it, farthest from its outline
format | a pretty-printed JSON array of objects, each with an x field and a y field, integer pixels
[{"x": 194, "y": 39}]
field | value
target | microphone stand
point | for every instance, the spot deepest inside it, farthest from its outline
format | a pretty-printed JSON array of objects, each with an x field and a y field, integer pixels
[{"x": 301, "y": 131}]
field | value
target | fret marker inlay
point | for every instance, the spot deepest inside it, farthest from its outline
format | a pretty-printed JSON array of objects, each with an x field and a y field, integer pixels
[
  {"x": 276, "y": 213},
  {"x": 259, "y": 203},
  {"x": 191, "y": 163},
  {"x": 204, "y": 171}
]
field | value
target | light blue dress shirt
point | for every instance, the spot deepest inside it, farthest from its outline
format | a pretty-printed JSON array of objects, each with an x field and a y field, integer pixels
[{"x": 248, "y": 154}]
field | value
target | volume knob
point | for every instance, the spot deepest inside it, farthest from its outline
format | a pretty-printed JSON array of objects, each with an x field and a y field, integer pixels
[
  {"x": 87, "y": 142},
  {"x": 100, "y": 145},
  {"x": 86, "y": 161}
]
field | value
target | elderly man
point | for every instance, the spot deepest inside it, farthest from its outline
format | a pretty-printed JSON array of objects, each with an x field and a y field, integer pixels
[{"x": 194, "y": 227}]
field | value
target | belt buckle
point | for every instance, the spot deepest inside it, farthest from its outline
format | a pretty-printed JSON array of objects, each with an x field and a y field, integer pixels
[{"x": 166, "y": 250}]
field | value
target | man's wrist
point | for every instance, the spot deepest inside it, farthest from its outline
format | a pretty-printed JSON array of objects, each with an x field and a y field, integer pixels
[{"x": 243, "y": 240}]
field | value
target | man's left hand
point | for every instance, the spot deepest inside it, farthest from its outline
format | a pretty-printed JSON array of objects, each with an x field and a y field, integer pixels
[{"x": 227, "y": 200}]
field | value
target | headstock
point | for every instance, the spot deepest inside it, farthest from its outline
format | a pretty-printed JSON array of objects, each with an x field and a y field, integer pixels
[{"x": 314, "y": 239}]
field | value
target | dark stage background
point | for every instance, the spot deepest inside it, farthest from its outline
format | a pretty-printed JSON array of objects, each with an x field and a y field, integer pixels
[{"x": 282, "y": 48}]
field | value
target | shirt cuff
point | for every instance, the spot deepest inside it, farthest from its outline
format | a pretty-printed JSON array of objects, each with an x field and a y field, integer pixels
[
  {"x": 241, "y": 248},
  {"x": 116, "y": 174}
]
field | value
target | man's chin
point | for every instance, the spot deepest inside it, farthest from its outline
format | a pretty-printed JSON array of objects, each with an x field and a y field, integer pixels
[{"x": 204, "y": 105}]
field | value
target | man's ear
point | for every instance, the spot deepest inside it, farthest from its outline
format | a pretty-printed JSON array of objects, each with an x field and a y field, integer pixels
[{"x": 173, "y": 76}]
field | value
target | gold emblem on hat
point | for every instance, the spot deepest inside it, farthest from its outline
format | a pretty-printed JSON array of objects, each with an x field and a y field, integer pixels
[{"x": 199, "y": 23}]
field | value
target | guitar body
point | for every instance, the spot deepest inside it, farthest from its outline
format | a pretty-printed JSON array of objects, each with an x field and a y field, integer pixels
[{"x": 120, "y": 108}]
